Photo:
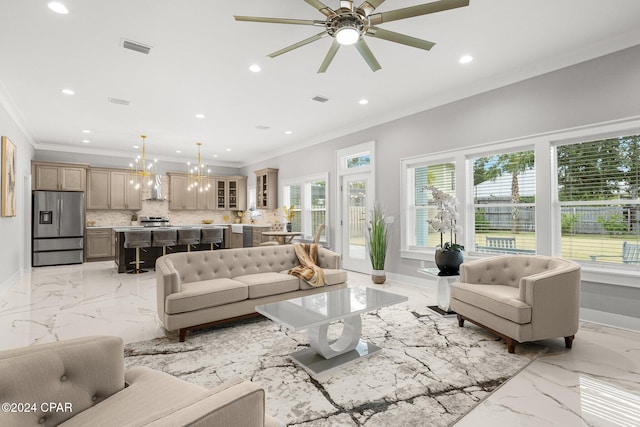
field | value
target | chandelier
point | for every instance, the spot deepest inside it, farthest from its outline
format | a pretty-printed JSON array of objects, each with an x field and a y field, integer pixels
[
  {"x": 140, "y": 171},
  {"x": 198, "y": 175}
]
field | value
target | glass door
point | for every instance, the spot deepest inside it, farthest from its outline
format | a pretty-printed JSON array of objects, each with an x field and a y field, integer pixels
[{"x": 356, "y": 206}]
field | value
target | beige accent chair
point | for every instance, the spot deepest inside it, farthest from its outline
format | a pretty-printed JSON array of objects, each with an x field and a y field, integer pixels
[
  {"x": 88, "y": 380},
  {"x": 519, "y": 297},
  {"x": 316, "y": 237},
  {"x": 276, "y": 226}
]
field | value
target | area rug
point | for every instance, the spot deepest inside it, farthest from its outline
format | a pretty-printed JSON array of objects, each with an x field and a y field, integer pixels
[{"x": 429, "y": 373}]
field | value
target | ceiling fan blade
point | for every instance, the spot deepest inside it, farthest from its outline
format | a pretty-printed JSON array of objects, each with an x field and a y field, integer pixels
[
  {"x": 323, "y": 8},
  {"x": 278, "y": 20},
  {"x": 347, "y": 4},
  {"x": 392, "y": 36},
  {"x": 366, "y": 53},
  {"x": 297, "y": 45},
  {"x": 369, "y": 6},
  {"x": 421, "y": 9},
  {"x": 330, "y": 55}
]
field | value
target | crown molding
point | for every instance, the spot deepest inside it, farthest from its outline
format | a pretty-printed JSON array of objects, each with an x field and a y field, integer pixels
[{"x": 14, "y": 112}]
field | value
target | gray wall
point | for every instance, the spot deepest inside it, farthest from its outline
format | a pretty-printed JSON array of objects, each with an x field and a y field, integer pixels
[
  {"x": 595, "y": 91},
  {"x": 15, "y": 231}
]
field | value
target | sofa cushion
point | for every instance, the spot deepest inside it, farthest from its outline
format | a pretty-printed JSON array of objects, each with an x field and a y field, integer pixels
[
  {"x": 265, "y": 284},
  {"x": 148, "y": 391},
  {"x": 498, "y": 299},
  {"x": 332, "y": 276},
  {"x": 205, "y": 294}
]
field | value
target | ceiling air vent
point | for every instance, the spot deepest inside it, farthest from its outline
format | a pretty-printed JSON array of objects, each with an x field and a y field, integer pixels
[
  {"x": 320, "y": 98},
  {"x": 118, "y": 101},
  {"x": 135, "y": 46},
  {"x": 262, "y": 127}
]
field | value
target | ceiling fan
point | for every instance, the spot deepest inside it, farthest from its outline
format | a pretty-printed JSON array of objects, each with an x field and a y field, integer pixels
[{"x": 347, "y": 25}]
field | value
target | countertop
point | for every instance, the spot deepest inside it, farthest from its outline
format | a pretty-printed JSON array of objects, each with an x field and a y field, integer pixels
[{"x": 123, "y": 228}]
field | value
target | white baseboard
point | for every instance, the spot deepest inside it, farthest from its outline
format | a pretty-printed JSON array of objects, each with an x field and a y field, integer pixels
[{"x": 610, "y": 319}]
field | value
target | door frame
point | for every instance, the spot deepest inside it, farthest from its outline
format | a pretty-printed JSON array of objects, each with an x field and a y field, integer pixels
[{"x": 342, "y": 171}]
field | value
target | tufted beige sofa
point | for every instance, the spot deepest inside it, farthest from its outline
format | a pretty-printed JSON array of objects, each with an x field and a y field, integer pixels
[
  {"x": 83, "y": 382},
  {"x": 520, "y": 298},
  {"x": 199, "y": 289}
]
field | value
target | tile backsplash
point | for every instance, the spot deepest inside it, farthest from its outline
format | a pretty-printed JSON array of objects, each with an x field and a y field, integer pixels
[{"x": 176, "y": 217}]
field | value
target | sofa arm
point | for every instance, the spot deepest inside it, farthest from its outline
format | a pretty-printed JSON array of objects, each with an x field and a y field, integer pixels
[
  {"x": 235, "y": 403},
  {"x": 167, "y": 283},
  {"x": 554, "y": 297},
  {"x": 328, "y": 259}
]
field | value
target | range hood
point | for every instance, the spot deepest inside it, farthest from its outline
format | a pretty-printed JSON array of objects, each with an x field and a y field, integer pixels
[{"x": 156, "y": 189}]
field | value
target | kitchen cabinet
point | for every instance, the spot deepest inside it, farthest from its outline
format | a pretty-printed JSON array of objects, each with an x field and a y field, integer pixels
[
  {"x": 231, "y": 193},
  {"x": 123, "y": 194},
  {"x": 100, "y": 243},
  {"x": 59, "y": 176},
  {"x": 236, "y": 240},
  {"x": 226, "y": 193},
  {"x": 111, "y": 189},
  {"x": 180, "y": 198},
  {"x": 267, "y": 188},
  {"x": 257, "y": 237}
]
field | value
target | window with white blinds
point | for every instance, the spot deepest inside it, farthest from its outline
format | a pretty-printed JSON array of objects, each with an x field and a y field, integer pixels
[
  {"x": 421, "y": 206},
  {"x": 599, "y": 200},
  {"x": 504, "y": 203}
]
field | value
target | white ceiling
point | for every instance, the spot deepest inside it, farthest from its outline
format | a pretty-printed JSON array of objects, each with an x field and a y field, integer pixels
[{"x": 200, "y": 57}]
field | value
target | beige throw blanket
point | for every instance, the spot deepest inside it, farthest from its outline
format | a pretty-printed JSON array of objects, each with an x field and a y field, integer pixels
[{"x": 308, "y": 270}]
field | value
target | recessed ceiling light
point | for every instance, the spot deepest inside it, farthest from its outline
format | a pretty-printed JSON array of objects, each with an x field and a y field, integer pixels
[
  {"x": 228, "y": 149},
  {"x": 178, "y": 151},
  {"x": 136, "y": 146},
  {"x": 68, "y": 92},
  {"x": 363, "y": 101},
  {"x": 86, "y": 131},
  {"x": 58, "y": 7},
  {"x": 200, "y": 116},
  {"x": 288, "y": 132},
  {"x": 255, "y": 68},
  {"x": 215, "y": 155},
  {"x": 86, "y": 141},
  {"x": 465, "y": 59}
]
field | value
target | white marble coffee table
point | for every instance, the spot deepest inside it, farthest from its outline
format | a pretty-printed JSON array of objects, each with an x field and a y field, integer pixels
[{"x": 316, "y": 312}]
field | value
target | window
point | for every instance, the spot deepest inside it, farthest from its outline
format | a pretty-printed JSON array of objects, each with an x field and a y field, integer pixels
[
  {"x": 309, "y": 198},
  {"x": 599, "y": 200},
  {"x": 358, "y": 161},
  {"x": 421, "y": 206},
  {"x": 504, "y": 203}
]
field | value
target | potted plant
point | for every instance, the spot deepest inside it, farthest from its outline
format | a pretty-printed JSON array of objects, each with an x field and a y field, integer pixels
[
  {"x": 288, "y": 215},
  {"x": 134, "y": 218},
  {"x": 377, "y": 242},
  {"x": 448, "y": 255}
]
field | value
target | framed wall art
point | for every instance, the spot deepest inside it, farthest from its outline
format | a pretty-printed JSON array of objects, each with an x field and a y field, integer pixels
[{"x": 9, "y": 159}]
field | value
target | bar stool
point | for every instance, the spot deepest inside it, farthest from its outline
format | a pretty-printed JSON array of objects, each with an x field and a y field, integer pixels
[
  {"x": 188, "y": 236},
  {"x": 212, "y": 235},
  {"x": 137, "y": 239},
  {"x": 164, "y": 237}
]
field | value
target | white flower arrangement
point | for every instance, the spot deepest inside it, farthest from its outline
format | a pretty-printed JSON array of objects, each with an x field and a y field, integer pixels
[{"x": 446, "y": 219}]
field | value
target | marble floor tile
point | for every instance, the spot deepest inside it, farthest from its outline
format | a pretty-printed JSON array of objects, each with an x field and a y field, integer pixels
[{"x": 597, "y": 383}]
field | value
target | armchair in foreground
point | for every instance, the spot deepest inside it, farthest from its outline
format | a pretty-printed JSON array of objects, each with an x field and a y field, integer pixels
[
  {"x": 520, "y": 298},
  {"x": 83, "y": 382}
]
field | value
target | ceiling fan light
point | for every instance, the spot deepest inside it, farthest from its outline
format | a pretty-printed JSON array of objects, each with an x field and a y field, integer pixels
[{"x": 347, "y": 35}]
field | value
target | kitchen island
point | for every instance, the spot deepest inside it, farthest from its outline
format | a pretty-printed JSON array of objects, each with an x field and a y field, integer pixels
[{"x": 124, "y": 257}]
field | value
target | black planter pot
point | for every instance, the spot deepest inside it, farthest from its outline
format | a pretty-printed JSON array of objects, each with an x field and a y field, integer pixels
[
  {"x": 448, "y": 262},
  {"x": 289, "y": 226}
]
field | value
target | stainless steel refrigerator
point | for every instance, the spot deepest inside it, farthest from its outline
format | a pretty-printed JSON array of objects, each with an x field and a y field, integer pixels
[{"x": 58, "y": 228}]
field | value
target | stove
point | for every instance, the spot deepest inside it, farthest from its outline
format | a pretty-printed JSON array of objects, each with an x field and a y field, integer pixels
[{"x": 154, "y": 221}]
